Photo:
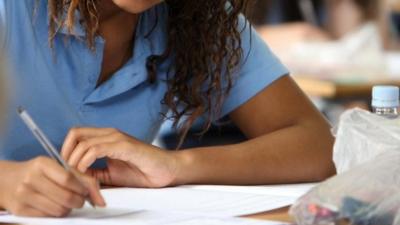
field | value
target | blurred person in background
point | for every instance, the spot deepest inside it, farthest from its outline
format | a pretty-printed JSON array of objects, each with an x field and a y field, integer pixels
[
  {"x": 335, "y": 40},
  {"x": 390, "y": 23},
  {"x": 285, "y": 23}
]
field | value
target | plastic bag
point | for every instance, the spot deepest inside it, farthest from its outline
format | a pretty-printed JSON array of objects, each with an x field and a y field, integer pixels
[
  {"x": 361, "y": 136},
  {"x": 369, "y": 194},
  {"x": 367, "y": 151}
]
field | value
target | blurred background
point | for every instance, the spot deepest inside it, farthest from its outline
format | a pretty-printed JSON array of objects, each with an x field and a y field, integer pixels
[{"x": 336, "y": 51}]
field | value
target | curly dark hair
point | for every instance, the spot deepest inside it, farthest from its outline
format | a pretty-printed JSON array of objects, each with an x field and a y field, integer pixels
[{"x": 204, "y": 42}]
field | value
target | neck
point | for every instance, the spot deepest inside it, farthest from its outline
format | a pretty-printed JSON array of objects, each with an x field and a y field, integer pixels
[
  {"x": 115, "y": 24},
  {"x": 117, "y": 27}
]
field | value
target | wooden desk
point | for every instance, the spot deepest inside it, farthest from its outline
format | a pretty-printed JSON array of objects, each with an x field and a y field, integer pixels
[
  {"x": 330, "y": 89},
  {"x": 277, "y": 215},
  {"x": 283, "y": 216}
]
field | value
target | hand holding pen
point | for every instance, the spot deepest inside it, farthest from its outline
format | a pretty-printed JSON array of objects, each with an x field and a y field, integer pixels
[{"x": 41, "y": 187}]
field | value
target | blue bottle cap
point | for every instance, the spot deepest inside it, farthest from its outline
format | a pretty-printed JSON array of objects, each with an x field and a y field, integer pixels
[{"x": 385, "y": 96}]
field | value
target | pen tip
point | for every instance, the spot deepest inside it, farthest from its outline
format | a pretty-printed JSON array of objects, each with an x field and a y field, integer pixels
[{"x": 20, "y": 109}]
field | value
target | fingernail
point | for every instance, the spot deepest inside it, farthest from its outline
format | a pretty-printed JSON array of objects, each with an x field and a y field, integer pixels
[
  {"x": 102, "y": 201},
  {"x": 102, "y": 205}
]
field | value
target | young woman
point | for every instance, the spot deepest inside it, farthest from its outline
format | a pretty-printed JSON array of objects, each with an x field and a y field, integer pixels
[{"x": 113, "y": 69}]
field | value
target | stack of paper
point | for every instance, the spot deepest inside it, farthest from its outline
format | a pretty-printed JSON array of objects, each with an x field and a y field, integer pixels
[
  {"x": 196, "y": 201},
  {"x": 289, "y": 190},
  {"x": 180, "y": 205}
]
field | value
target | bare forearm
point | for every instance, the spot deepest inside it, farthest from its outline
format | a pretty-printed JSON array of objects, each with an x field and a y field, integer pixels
[{"x": 299, "y": 153}]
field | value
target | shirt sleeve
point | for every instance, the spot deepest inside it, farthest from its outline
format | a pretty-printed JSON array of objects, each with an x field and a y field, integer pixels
[{"x": 259, "y": 68}]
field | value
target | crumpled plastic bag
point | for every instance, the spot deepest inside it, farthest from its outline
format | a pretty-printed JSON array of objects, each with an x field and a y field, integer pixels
[
  {"x": 367, "y": 192},
  {"x": 362, "y": 136}
]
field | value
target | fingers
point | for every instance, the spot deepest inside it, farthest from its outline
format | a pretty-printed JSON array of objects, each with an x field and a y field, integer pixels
[
  {"x": 87, "y": 151},
  {"x": 61, "y": 177},
  {"x": 94, "y": 190},
  {"x": 45, "y": 189},
  {"x": 57, "y": 194},
  {"x": 76, "y": 187},
  {"x": 29, "y": 199},
  {"x": 77, "y": 134},
  {"x": 79, "y": 185},
  {"x": 96, "y": 152},
  {"x": 29, "y": 212},
  {"x": 103, "y": 176},
  {"x": 80, "y": 150},
  {"x": 47, "y": 206}
]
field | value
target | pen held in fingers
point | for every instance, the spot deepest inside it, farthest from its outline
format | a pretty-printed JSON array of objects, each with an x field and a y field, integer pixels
[
  {"x": 50, "y": 149},
  {"x": 93, "y": 196}
]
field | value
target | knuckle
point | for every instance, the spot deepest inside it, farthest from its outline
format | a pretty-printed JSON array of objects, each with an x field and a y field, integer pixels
[
  {"x": 37, "y": 166},
  {"x": 82, "y": 145},
  {"x": 73, "y": 132},
  {"x": 94, "y": 150},
  {"x": 118, "y": 136},
  {"x": 28, "y": 179},
  {"x": 67, "y": 179},
  {"x": 91, "y": 182},
  {"x": 125, "y": 144},
  {"x": 18, "y": 209},
  {"x": 113, "y": 130},
  {"x": 21, "y": 191},
  {"x": 69, "y": 198},
  {"x": 39, "y": 162},
  {"x": 90, "y": 156},
  {"x": 41, "y": 159}
]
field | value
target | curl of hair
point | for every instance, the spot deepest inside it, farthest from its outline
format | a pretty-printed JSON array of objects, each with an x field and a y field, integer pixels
[
  {"x": 204, "y": 43},
  {"x": 62, "y": 14}
]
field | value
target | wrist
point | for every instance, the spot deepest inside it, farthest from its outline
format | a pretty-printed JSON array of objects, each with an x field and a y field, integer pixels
[{"x": 184, "y": 166}]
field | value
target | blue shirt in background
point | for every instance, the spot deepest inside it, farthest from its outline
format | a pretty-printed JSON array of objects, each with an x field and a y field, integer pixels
[{"x": 58, "y": 86}]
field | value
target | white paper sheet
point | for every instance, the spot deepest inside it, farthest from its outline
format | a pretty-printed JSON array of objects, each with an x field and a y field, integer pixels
[
  {"x": 196, "y": 201},
  {"x": 180, "y": 205},
  {"x": 290, "y": 190}
]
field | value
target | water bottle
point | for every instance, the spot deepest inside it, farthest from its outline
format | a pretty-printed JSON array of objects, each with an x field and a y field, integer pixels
[{"x": 385, "y": 101}]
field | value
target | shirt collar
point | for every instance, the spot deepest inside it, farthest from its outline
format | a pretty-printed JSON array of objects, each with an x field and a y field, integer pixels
[
  {"x": 134, "y": 72},
  {"x": 146, "y": 19},
  {"x": 62, "y": 28}
]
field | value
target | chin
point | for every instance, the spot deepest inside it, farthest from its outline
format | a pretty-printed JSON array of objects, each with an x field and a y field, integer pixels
[{"x": 136, "y": 6}]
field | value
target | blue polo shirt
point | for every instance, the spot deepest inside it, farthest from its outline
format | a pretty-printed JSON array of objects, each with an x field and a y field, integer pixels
[{"x": 58, "y": 87}]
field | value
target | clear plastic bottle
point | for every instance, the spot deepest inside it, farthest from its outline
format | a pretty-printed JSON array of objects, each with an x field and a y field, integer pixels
[{"x": 385, "y": 101}]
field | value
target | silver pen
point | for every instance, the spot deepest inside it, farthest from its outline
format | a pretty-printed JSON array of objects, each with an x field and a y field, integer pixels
[{"x": 47, "y": 145}]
